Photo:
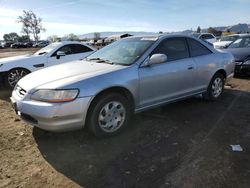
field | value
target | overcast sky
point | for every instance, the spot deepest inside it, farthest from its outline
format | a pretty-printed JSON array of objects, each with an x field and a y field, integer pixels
[{"x": 61, "y": 17}]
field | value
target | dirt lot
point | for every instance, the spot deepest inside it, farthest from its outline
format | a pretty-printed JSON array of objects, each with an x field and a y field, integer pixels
[
  {"x": 14, "y": 52},
  {"x": 184, "y": 144}
]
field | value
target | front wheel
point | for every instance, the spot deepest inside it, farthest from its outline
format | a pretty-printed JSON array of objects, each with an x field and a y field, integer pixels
[
  {"x": 215, "y": 88},
  {"x": 108, "y": 115},
  {"x": 13, "y": 76}
]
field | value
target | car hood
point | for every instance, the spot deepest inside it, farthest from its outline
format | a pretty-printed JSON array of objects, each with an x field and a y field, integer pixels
[
  {"x": 15, "y": 58},
  {"x": 62, "y": 75},
  {"x": 222, "y": 43},
  {"x": 239, "y": 54},
  {"x": 20, "y": 61}
]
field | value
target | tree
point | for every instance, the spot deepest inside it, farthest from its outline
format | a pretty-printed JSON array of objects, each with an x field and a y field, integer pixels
[
  {"x": 97, "y": 36},
  {"x": 31, "y": 24},
  {"x": 214, "y": 31},
  {"x": 53, "y": 38},
  {"x": 13, "y": 37},
  {"x": 72, "y": 37},
  {"x": 198, "y": 30},
  {"x": 24, "y": 38}
]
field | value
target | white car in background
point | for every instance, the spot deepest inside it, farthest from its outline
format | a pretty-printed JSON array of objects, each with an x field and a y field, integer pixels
[
  {"x": 12, "y": 69},
  {"x": 206, "y": 37},
  {"x": 225, "y": 41}
]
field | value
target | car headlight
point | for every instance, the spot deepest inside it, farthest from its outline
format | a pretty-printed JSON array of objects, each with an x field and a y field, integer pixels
[
  {"x": 247, "y": 62},
  {"x": 55, "y": 96}
]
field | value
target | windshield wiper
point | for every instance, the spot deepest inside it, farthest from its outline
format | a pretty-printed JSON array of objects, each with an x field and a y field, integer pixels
[
  {"x": 99, "y": 60},
  {"x": 93, "y": 59}
]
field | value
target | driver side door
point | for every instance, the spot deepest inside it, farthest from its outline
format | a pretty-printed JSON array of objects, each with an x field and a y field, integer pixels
[
  {"x": 72, "y": 52},
  {"x": 69, "y": 56},
  {"x": 170, "y": 80}
]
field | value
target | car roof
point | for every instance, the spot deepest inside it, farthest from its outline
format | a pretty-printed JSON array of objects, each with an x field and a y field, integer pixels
[
  {"x": 74, "y": 42},
  {"x": 244, "y": 35},
  {"x": 158, "y": 36}
]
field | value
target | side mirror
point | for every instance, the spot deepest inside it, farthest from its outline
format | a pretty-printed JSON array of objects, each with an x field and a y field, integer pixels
[
  {"x": 157, "y": 59},
  {"x": 59, "y": 54}
]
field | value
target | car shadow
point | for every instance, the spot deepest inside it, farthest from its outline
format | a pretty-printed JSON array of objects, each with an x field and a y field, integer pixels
[
  {"x": 149, "y": 149},
  {"x": 5, "y": 94},
  {"x": 245, "y": 77}
]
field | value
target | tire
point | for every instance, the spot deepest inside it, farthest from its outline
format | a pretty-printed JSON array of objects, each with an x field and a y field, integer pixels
[
  {"x": 13, "y": 76},
  {"x": 108, "y": 115},
  {"x": 215, "y": 88}
]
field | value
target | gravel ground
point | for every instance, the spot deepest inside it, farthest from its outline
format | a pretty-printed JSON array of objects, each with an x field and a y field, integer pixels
[{"x": 184, "y": 144}]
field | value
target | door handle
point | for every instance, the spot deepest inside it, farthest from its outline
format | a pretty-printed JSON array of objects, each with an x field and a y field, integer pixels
[{"x": 190, "y": 67}]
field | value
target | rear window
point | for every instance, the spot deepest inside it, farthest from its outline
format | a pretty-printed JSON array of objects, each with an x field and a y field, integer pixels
[
  {"x": 207, "y": 36},
  {"x": 78, "y": 48},
  {"x": 197, "y": 49}
]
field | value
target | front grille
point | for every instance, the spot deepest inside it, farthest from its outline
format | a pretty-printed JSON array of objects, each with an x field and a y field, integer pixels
[{"x": 20, "y": 91}]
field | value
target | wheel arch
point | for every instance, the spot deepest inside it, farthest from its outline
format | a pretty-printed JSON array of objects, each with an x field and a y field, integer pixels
[
  {"x": 114, "y": 89},
  {"x": 20, "y": 68},
  {"x": 5, "y": 74},
  {"x": 222, "y": 72}
]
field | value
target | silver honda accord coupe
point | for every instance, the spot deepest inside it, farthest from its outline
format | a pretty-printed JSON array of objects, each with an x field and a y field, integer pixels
[{"x": 128, "y": 76}]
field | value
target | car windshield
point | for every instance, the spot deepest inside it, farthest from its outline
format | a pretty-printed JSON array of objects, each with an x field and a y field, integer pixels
[
  {"x": 123, "y": 52},
  {"x": 229, "y": 38},
  {"x": 241, "y": 43},
  {"x": 47, "y": 49}
]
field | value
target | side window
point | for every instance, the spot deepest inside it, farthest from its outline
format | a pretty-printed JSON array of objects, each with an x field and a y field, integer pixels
[
  {"x": 67, "y": 49},
  {"x": 197, "y": 49},
  {"x": 78, "y": 48},
  {"x": 175, "y": 48}
]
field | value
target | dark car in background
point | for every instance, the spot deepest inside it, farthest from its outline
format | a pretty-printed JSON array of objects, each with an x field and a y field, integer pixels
[
  {"x": 28, "y": 44},
  {"x": 18, "y": 45},
  {"x": 241, "y": 52}
]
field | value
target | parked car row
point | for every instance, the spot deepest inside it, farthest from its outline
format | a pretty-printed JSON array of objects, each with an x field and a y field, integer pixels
[
  {"x": 104, "y": 89},
  {"x": 39, "y": 44}
]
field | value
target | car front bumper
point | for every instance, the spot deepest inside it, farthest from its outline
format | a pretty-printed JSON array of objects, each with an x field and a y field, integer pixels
[{"x": 52, "y": 116}]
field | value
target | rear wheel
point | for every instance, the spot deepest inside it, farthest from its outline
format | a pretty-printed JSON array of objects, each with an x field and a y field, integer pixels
[
  {"x": 108, "y": 115},
  {"x": 215, "y": 88},
  {"x": 13, "y": 76}
]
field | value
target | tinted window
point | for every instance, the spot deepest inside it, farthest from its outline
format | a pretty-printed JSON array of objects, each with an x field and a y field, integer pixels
[
  {"x": 175, "y": 49},
  {"x": 207, "y": 36},
  {"x": 197, "y": 49},
  {"x": 67, "y": 49},
  {"x": 78, "y": 48}
]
